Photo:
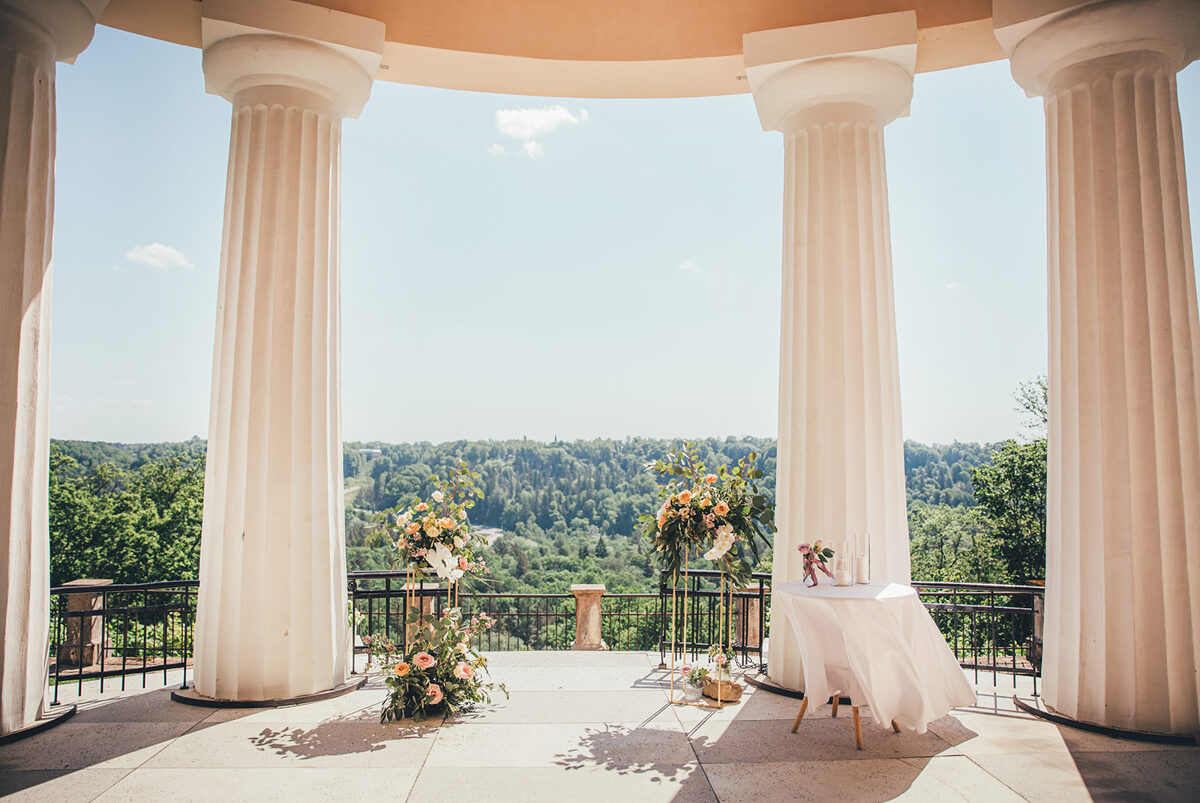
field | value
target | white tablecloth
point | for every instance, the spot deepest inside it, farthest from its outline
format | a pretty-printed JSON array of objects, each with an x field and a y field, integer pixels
[{"x": 878, "y": 645}]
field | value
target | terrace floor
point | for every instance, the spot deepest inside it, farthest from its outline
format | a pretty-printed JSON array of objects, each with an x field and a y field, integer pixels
[{"x": 578, "y": 726}]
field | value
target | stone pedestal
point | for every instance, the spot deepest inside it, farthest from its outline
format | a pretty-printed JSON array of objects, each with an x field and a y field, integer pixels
[
  {"x": 272, "y": 615},
  {"x": 587, "y": 617},
  {"x": 1123, "y": 511},
  {"x": 83, "y": 644},
  {"x": 747, "y": 613},
  {"x": 830, "y": 89},
  {"x": 33, "y": 35}
]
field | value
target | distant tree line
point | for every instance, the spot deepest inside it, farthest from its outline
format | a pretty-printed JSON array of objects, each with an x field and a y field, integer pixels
[{"x": 566, "y": 512}]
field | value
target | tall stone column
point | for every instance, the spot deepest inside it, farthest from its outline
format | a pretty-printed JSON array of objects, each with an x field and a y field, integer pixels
[
  {"x": 271, "y": 619},
  {"x": 34, "y": 34},
  {"x": 831, "y": 89},
  {"x": 1123, "y": 535}
]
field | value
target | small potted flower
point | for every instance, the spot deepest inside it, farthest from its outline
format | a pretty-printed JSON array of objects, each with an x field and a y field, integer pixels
[
  {"x": 693, "y": 681},
  {"x": 719, "y": 685}
]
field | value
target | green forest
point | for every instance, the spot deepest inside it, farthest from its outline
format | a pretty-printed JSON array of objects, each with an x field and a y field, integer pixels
[{"x": 566, "y": 512}]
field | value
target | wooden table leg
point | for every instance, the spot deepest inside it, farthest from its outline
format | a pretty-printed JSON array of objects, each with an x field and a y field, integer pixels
[
  {"x": 800, "y": 716},
  {"x": 857, "y": 728},
  {"x": 895, "y": 727},
  {"x": 837, "y": 698}
]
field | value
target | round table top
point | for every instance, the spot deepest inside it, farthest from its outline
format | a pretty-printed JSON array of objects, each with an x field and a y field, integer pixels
[{"x": 828, "y": 591}]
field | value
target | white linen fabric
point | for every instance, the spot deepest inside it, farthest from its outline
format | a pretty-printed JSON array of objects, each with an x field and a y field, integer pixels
[{"x": 876, "y": 644}]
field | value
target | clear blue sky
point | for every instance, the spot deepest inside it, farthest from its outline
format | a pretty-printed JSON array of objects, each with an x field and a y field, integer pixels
[{"x": 621, "y": 280}]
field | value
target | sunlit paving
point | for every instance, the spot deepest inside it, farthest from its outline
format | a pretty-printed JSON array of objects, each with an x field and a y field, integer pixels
[{"x": 581, "y": 725}]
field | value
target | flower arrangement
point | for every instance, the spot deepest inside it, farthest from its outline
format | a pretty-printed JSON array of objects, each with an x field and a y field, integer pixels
[
  {"x": 722, "y": 659},
  {"x": 720, "y": 515},
  {"x": 815, "y": 557},
  {"x": 693, "y": 675},
  {"x": 439, "y": 672},
  {"x": 432, "y": 535}
]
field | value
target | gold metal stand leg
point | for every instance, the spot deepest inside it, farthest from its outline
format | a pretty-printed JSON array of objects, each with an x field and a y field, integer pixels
[
  {"x": 800, "y": 716},
  {"x": 857, "y": 728},
  {"x": 837, "y": 698}
]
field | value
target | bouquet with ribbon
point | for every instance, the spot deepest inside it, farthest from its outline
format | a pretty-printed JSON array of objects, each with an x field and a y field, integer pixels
[{"x": 815, "y": 556}]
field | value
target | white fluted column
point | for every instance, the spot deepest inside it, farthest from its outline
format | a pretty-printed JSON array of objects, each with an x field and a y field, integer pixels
[
  {"x": 1123, "y": 536},
  {"x": 840, "y": 469},
  {"x": 33, "y": 35},
  {"x": 271, "y": 621}
]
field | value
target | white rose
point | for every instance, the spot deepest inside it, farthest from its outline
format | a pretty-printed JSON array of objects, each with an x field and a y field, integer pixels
[
  {"x": 437, "y": 497},
  {"x": 458, "y": 542}
]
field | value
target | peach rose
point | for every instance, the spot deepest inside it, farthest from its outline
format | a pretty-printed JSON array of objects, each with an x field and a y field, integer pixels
[
  {"x": 463, "y": 671},
  {"x": 684, "y": 497},
  {"x": 721, "y": 508},
  {"x": 401, "y": 669},
  {"x": 710, "y": 478},
  {"x": 424, "y": 660},
  {"x": 446, "y": 523},
  {"x": 412, "y": 529},
  {"x": 434, "y": 693},
  {"x": 421, "y": 508}
]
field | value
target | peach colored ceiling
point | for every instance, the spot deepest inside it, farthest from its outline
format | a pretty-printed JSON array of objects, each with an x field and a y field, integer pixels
[{"x": 594, "y": 48}]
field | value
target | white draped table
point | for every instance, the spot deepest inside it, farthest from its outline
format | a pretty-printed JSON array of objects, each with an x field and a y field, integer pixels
[{"x": 877, "y": 645}]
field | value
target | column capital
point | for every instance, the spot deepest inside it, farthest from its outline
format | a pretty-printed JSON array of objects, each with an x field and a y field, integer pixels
[
  {"x": 1044, "y": 37},
  {"x": 256, "y": 44},
  {"x": 68, "y": 23},
  {"x": 862, "y": 66}
]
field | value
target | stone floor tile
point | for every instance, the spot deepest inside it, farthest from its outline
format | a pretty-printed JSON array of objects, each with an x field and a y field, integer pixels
[
  {"x": 870, "y": 779},
  {"x": 150, "y": 706},
  {"x": 751, "y": 741},
  {"x": 103, "y": 745},
  {"x": 678, "y": 784},
  {"x": 986, "y": 734},
  {"x": 57, "y": 786},
  {"x": 1159, "y": 775},
  {"x": 232, "y": 745},
  {"x": 626, "y": 707},
  {"x": 611, "y": 678},
  {"x": 1038, "y": 776},
  {"x": 619, "y": 748},
  {"x": 964, "y": 777},
  {"x": 262, "y": 785}
]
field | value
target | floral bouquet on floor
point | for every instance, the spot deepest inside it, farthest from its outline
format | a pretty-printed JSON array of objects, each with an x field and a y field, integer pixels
[
  {"x": 815, "y": 557},
  {"x": 720, "y": 515},
  {"x": 432, "y": 536},
  {"x": 439, "y": 674}
]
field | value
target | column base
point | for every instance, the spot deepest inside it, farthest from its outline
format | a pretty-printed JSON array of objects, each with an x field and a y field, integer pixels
[
  {"x": 191, "y": 697},
  {"x": 1040, "y": 710},
  {"x": 55, "y": 718}
]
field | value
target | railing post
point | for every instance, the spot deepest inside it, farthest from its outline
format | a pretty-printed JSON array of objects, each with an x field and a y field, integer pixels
[
  {"x": 587, "y": 617},
  {"x": 748, "y": 615},
  {"x": 84, "y": 642}
]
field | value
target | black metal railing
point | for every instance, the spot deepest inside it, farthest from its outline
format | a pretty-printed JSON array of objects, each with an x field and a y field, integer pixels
[
  {"x": 989, "y": 627},
  {"x": 691, "y": 615},
  {"x": 98, "y": 632},
  {"x": 102, "y": 632},
  {"x": 522, "y": 621}
]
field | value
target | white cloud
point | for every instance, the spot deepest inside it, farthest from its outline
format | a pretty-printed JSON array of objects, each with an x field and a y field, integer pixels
[
  {"x": 157, "y": 255},
  {"x": 529, "y": 124},
  {"x": 687, "y": 264},
  {"x": 953, "y": 286},
  {"x": 496, "y": 149}
]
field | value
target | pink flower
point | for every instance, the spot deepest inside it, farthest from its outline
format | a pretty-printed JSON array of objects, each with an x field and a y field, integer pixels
[
  {"x": 462, "y": 564},
  {"x": 434, "y": 693},
  {"x": 424, "y": 660},
  {"x": 463, "y": 671},
  {"x": 683, "y": 670},
  {"x": 720, "y": 659},
  {"x": 420, "y": 553}
]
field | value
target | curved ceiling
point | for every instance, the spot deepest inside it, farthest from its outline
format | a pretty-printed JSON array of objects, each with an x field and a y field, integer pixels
[{"x": 594, "y": 48}]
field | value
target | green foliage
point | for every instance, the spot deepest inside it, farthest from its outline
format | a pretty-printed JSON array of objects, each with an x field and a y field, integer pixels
[
  {"x": 128, "y": 525},
  {"x": 940, "y": 474},
  {"x": 953, "y": 544},
  {"x": 1012, "y": 494}
]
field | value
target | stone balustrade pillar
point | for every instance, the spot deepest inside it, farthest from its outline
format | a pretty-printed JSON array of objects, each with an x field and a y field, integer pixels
[
  {"x": 34, "y": 34},
  {"x": 272, "y": 615},
  {"x": 587, "y": 617},
  {"x": 830, "y": 89},
  {"x": 83, "y": 644},
  {"x": 1123, "y": 505}
]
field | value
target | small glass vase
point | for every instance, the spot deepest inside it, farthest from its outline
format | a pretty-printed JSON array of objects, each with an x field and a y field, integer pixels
[{"x": 691, "y": 693}]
